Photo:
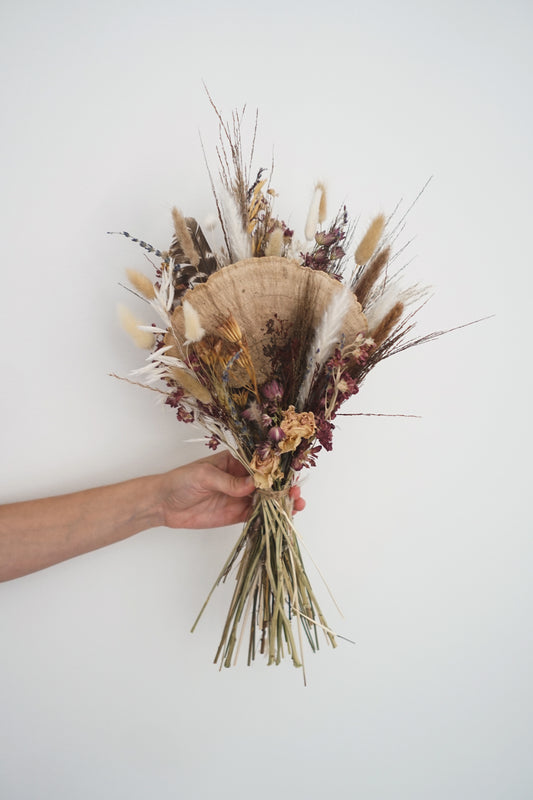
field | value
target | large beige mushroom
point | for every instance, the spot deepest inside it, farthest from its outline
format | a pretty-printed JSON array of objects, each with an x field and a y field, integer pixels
[{"x": 258, "y": 290}]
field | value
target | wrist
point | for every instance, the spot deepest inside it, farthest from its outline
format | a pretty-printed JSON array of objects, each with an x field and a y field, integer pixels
[{"x": 146, "y": 499}]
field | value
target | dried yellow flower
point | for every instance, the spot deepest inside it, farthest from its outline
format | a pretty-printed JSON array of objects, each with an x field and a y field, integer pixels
[
  {"x": 296, "y": 426},
  {"x": 265, "y": 469}
]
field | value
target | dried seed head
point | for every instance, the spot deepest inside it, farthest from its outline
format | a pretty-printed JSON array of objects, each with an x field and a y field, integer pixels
[
  {"x": 143, "y": 284},
  {"x": 384, "y": 328},
  {"x": 370, "y": 240},
  {"x": 193, "y": 327},
  {"x": 143, "y": 339},
  {"x": 370, "y": 275},
  {"x": 323, "y": 205},
  {"x": 191, "y": 385},
  {"x": 317, "y": 211},
  {"x": 275, "y": 242}
]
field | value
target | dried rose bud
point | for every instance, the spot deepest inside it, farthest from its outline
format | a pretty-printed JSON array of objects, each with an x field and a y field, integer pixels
[
  {"x": 338, "y": 253},
  {"x": 326, "y": 238},
  {"x": 320, "y": 256},
  {"x": 272, "y": 390},
  {"x": 276, "y": 434}
]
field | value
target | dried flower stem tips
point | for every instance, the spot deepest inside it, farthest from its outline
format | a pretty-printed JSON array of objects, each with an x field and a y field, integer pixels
[{"x": 370, "y": 240}]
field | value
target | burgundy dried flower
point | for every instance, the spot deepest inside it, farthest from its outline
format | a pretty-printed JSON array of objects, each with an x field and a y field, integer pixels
[
  {"x": 173, "y": 400},
  {"x": 184, "y": 416},
  {"x": 324, "y": 433}
]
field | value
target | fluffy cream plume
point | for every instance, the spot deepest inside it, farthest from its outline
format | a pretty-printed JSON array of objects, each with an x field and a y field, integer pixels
[
  {"x": 193, "y": 327},
  {"x": 275, "y": 243},
  {"x": 317, "y": 211},
  {"x": 191, "y": 385},
  {"x": 143, "y": 284},
  {"x": 239, "y": 241},
  {"x": 130, "y": 324},
  {"x": 370, "y": 240},
  {"x": 184, "y": 238},
  {"x": 327, "y": 335}
]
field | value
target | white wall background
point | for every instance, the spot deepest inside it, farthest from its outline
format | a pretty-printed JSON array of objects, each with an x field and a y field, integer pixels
[{"x": 423, "y": 528}]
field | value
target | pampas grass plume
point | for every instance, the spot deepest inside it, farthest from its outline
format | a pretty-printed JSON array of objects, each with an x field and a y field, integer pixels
[
  {"x": 143, "y": 284},
  {"x": 143, "y": 339},
  {"x": 370, "y": 240}
]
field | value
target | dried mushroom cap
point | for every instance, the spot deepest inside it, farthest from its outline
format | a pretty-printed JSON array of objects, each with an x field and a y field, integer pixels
[{"x": 255, "y": 291}]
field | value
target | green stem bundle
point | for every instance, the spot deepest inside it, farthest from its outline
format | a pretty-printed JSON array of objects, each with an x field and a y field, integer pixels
[{"x": 272, "y": 589}]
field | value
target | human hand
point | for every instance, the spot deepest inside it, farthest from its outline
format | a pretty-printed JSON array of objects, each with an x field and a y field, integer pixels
[{"x": 210, "y": 493}]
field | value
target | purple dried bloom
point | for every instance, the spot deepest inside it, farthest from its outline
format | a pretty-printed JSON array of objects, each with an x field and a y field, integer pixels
[
  {"x": 327, "y": 238},
  {"x": 263, "y": 450},
  {"x": 276, "y": 434},
  {"x": 272, "y": 390}
]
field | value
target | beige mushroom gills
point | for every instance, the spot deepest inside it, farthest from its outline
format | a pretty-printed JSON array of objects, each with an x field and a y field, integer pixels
[{"x": 257, "y": 289}]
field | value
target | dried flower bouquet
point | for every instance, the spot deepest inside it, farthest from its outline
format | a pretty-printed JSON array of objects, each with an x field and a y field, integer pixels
[{"x": 260, "y": 344}]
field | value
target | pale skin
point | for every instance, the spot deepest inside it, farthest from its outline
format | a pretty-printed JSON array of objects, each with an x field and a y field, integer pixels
[{"x": 209, "y": 493}]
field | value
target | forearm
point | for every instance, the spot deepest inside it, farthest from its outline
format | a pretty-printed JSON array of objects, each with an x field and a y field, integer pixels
[{"x": 39, "y": 533}]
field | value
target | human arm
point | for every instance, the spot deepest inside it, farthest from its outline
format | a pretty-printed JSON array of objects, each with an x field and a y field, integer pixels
[{"x": 212, "y": 492}]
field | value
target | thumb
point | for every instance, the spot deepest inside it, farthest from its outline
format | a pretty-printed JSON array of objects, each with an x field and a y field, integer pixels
[
  {"x": 232, "y": 485},
  {"x": 239, "y": 486}
]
